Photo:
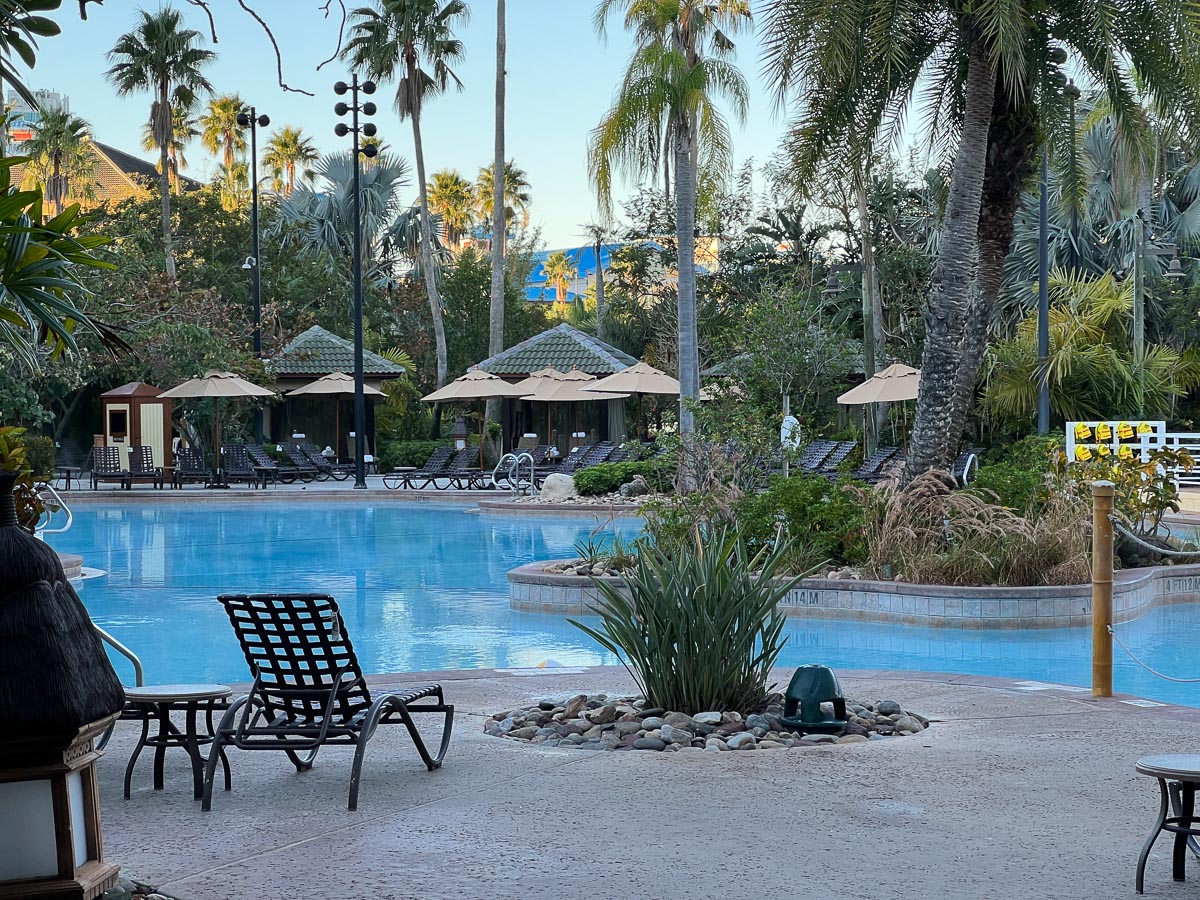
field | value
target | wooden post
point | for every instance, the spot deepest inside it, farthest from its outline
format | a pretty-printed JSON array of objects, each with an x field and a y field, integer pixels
[{"x": 1102, "y": 582}]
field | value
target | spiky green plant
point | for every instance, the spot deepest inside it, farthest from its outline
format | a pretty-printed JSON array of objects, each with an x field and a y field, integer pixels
[{"x": 700, "y": 629}]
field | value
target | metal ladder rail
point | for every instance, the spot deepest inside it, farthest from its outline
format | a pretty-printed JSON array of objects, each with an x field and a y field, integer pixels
[
  {"x": 50, "y": 514},
  {"x": 138, "y": 676},
  {"x": 515, "y": 475},
  {"x": 503, "y": 469}
]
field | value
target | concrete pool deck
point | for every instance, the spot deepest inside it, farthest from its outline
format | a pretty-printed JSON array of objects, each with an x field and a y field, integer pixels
[{"x": 1018, "y": 790}]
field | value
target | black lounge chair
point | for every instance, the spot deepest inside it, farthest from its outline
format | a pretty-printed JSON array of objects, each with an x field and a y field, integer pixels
[
  {"x": 873, "y": 464},
  {"x": 304, "y": 467},
  {"x": 189, "y": 467},
  {"x": 325, "y": 468},
  {"x": 107, "y": 466},
  {"x": 309, "y": 691},
  {"x": 142, "y": 467},
  {"x": 586, "y": 456},
  {"x": 815, "y": 454},
  {"x": 834, "y": 460},
  {"x": 620, "y": 455},
  {"x": 966, "y": 466},
  {"x": 462, "y": 471},
  {"x": 236, "y": 466},
  {"x": 436, "y": 464}
]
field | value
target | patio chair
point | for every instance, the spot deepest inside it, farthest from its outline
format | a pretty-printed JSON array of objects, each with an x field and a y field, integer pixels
[
  {"x": 965, "y": 466},
  {"x": 872, "y": 465},
  {"x": 142, "y": 467},
  {"x": 304, "y": 467},
  {"x": 336, "y": 471},
  {"x": 189, "y": 467},
  {"x": 236, "y": 466},
  {"x": 811, "y": 686},
  {"x": 620, "y": 455},
  {"x": 841, "y": 453},
  {"x": 309, "y": 691},
  {"x": 407, "y": 478},
  {"x": 107, "y": 465},
  {"x": 815, "y": 454},
  {"x": 270, "y": 469},
  {"x": 462, "y": 472}
]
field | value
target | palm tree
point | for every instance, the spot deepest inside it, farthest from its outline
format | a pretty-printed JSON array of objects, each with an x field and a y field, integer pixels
[
  {"x": 599, "y": 233},
  {"x": 162, "y": 57},
  {"x": 414, "y": 40},
  {"x": 60, "y": 157},
  {"x": 517, "y": 198},
  {"x": 288, "y": 149},
  {"x": 452, "y": 199},
  {"x": 234, "y": 184},
  {"x": 220, "y": 131},
  {"x": 988, "y": 76},
  {"x": 183, "y": 130},
  {"x": 559, "y": 273},
  {"x": 680, "y": 66},
  {"x": 496, "y": 298}
]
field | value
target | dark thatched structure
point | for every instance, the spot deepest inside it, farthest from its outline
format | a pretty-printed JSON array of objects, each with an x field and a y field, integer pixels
[{"x": 54, "y": 674}]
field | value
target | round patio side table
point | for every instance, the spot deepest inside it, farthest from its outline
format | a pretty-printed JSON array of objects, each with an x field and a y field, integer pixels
[
  {"x": 1178, "y": 775},
  {"x": 156, "y": 702}
]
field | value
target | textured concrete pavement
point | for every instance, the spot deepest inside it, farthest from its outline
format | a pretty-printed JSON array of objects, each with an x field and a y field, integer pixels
[{"x": 1010, "y": 794}]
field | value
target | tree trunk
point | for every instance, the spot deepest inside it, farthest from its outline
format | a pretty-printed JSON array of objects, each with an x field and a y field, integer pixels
[
  {"x": 601, "y": 331},
  {"x": 435, "y": 301},
  {"x": 1012, "y": 142},
  {"x": 685, "y": 230},
  {"x": 935, "y": 436},
  {"x": 163, "y": 133},
  {"x": 874, "y": 346},
  {"x": 496, "y": 310}
]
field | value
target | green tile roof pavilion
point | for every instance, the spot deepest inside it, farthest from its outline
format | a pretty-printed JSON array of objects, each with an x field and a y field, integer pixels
[
  {"x": 318, "y": 352},
  {"x": 563, "y": 348}
]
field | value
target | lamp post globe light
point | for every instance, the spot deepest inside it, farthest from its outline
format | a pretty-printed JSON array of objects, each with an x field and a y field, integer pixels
[
  {"x": 367, "y": 129},
  {"x": 249, "y": 118}
]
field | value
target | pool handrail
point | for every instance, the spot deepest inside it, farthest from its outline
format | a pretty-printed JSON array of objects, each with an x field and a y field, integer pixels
[
  {"x": 138, "y": 675},
  {"x": 50, "y": 512}
]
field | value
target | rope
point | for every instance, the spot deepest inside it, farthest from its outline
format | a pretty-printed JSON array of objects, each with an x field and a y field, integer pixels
[
  {"x": 1161, "y": 551},
  {"x": 1129, "y": 653}
]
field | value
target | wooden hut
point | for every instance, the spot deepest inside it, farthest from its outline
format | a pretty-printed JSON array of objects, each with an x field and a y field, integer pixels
[{"x": 134, "y": 414}]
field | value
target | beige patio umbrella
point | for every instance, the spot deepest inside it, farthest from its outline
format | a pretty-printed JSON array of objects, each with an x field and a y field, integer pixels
[
  {"x": 335, "y": 384},
  {"x": 641, "y": 378},
  {"x": 897, "y": 382},
  {"x": 217, "y": 385},
  {"x": 475, "y": 385},
  {"x": 550, "y": 387}
]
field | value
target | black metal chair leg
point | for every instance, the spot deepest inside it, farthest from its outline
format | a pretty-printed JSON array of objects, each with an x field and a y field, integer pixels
[
  {"x": 1154, "y": 833},
  {"x": 1187, "y": 809},
  {"x": 137, "y": 751}
]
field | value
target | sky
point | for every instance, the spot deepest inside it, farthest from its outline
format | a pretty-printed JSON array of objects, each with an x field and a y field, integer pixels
[{"x": 561, "y": 80}]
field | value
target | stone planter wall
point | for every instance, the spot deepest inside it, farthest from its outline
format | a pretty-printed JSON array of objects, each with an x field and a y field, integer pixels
[{"x": 1134, "y": 592}]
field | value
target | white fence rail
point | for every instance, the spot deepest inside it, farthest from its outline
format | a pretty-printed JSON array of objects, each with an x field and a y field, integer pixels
[{"x": 1189, "y": 441}]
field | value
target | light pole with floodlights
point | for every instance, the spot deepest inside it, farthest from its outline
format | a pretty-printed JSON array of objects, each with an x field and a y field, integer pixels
[
  {"x": 250, "y": 119},
  {"x": 366, "y": 130}
]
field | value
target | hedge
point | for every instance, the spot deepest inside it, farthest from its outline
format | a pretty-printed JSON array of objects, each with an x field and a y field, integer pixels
[
  {"x": 607, "y": 478},
  {"x": 405, "y": 453}
]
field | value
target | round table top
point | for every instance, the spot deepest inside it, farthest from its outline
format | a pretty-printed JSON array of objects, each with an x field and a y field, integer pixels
[
  {"x": 167, "y": 693},
  {"x": 1176, "y": 766}
]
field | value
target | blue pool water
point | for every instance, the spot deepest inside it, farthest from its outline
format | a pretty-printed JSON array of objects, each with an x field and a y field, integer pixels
[{"x": 423, "y": 587}]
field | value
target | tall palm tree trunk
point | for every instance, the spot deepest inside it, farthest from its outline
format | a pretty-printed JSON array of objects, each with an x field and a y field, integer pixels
[
  {"x": 934, "y": 438},
  {"x": 56, "y": 192},
  {"x": 1012, "y": 145},
  {"x": 685, "y": 233},
  {"x": 164, "y": 181},
  {"x": 601, "y": 330},
  {"x": 496, "y": 310},
  {"x": 435, "y": 301}
]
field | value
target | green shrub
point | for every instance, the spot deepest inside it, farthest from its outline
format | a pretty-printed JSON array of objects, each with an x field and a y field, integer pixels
[
  {"x": 406, "y": 453},
  {"x": 40, "y": 455},
  {"x": 608, "y": 477},
  {"x": 822, "y": 521},
  {"x": 1017, "y": 474},
  {"x": 699, "y": 630}
]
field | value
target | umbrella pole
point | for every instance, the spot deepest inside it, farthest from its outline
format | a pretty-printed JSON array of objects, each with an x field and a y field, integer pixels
[
  {"x": 904, "y": 432},
  {"x": 337, "y": 426},
  {"x": 217, "y": 437},
  {"x": 482, "y": 414},
  {"x": 549, "y": 438}
]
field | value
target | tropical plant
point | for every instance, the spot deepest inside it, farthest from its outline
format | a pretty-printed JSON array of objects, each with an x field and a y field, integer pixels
[
  {"x": 60, "y": 158},
  {"x": 14, "y": 458},
  {"x": 164, "y": 58},
  {"x": 559, "y": 272},
  {"x": 452, "y": 200},
  {"x": 220, "y": 132},
  {"x": 289, "y": 150},
  {"x": 1091, "y": 369},
  {"x": 699, "y": 630},
  {"x": 607, "y": 478},
  {"x": 234, "y": 184},
  {"x": 183, "y": 131},
  {"x": 988, "y": 76},
  {"x": 599, "y": 234},
  {"x": 414, "y": 40},
  {"x": 680, "y": 67},
  {"x": 517, "y": 197},
  {"x": 821, "y": 520}
]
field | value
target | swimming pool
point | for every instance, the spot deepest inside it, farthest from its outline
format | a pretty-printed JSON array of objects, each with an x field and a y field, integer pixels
[{"x": 423, "y": 586}]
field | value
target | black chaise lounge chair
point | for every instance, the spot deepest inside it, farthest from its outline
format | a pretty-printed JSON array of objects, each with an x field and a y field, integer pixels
[
  {"x": 189, "y": 467},
  {"x": 325, "y": 468},
  {"x": 142, "y": 467},
  {"x": 309, "y": 691},
  {"x": 462, "y": 472},
  {"x": 815, "y": 454},
  {"x": 107, "y": 466},
  {"x": 303, "y": 465},
  {"x": 236, "y": 466},
  {"x": 408, "y": 479}
]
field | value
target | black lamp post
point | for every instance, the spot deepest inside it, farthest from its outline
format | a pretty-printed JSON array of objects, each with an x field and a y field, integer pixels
[
  {"x": 367, "y": 130},
  {"x": 249, "y": 119}
]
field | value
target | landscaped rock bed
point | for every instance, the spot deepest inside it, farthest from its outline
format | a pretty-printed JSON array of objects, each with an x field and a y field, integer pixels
[
  {"x": 595, "y": 568},
  {"x": 600, "y": 722}
]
